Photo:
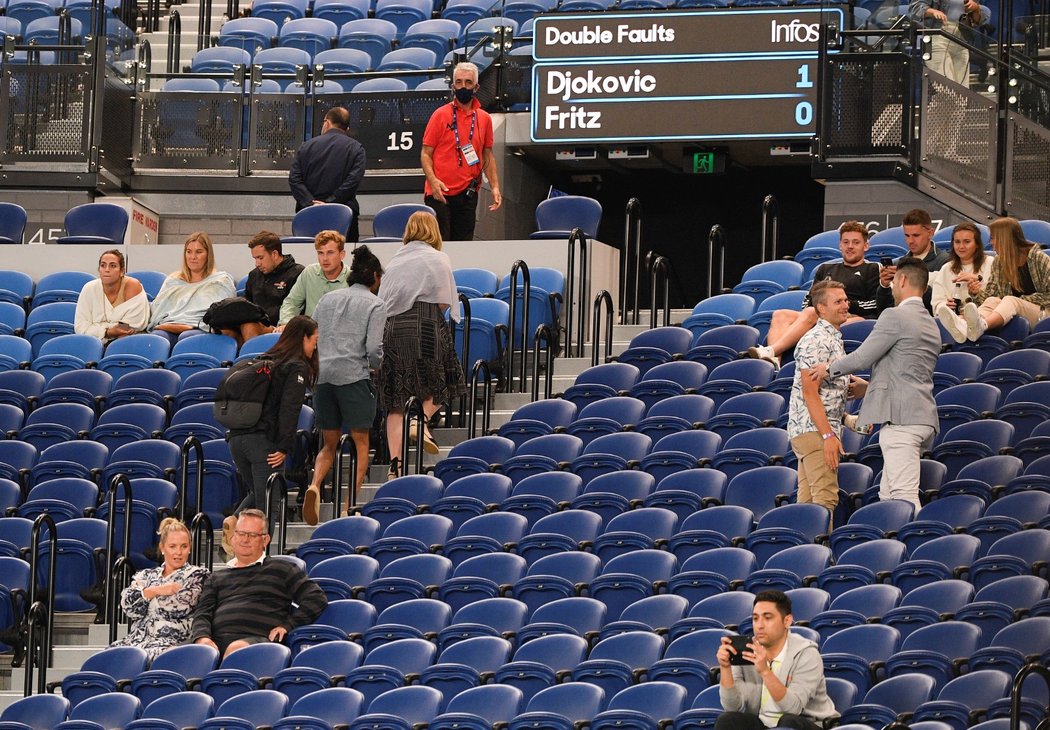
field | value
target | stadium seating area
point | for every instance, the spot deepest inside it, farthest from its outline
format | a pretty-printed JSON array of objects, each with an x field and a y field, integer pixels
[{"x": 579, "y": 564}]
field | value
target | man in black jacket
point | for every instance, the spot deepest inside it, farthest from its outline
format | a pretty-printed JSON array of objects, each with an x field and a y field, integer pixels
[
  {"x": 329, "y": 168},
  {"x": 274, "y": 273}
]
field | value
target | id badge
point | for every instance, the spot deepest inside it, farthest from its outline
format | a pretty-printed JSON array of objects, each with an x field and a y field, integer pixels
[{"x": 469, "y": 154}]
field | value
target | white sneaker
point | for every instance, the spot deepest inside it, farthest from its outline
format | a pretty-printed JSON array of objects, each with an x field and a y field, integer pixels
[
  {"x": 952, "y": 322},
  {"x": 975, "y": 324},
  {"x": 764, "y": 352}
]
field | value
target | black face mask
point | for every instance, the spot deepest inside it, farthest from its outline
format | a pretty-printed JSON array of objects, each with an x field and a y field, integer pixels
[{"x": 463, "y": 95}]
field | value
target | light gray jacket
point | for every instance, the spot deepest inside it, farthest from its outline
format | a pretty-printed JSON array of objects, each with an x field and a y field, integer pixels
[
  {"x": 902, "y": 352},
  {"x": 802, "y": 672}
]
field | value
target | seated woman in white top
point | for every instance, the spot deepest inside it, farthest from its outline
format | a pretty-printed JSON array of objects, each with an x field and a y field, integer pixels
[
  {"x": 965, "y": 274},
  {"x": 114, "y": 304},
  {"x": 186, "y": 295}
]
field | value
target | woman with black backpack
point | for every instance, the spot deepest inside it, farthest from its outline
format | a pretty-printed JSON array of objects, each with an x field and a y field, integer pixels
[{"x": 260, "y": 450}]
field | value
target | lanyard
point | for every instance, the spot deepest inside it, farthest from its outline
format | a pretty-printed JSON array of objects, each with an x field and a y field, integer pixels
[{"x": 455, "y": 131}]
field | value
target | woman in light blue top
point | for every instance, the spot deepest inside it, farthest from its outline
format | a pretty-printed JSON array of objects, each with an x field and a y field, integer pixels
[{"x": 186, "y": 294}]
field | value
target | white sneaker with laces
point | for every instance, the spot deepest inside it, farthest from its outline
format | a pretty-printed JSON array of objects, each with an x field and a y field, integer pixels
[
  {"x": 975, "y": 323},
  {"x": 764, "y": 352},
  {"x": 952, "y": 322}
]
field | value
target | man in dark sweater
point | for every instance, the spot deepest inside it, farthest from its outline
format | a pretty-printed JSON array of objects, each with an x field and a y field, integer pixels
[
  {"x": 918, "y": 236},
  {"x": 274, "y": 273},
  {"x": 252, "y": 601}
]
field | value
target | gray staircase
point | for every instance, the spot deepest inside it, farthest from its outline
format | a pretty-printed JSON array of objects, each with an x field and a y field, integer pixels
[{"x": 77, "y": 638}]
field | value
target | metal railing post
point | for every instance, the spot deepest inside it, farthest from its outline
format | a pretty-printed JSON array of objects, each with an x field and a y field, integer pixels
[
  {"x": 472, "y": 416},
  {"x": 716, "y": 239},
  {"x": 512, "y": 339},
  {"x": 572, "y": 299},
  {"x": 201, "y": 528},
  {"x": 337, "y": 480},
  {"x": 658, "y": 264},
  {"x": 543, "y": 332},
  {"x": 191, "y": 442},
  {"x": 277, "y": 481},
  {"x": 770, "y": 227},
  {"x": 413, "y": 410},
  {"x": 40, "y": 611},
  {"x": 632, "y": 236},
  {"x": 602, "y": 298},
  {"x": 113, "y": 564}
]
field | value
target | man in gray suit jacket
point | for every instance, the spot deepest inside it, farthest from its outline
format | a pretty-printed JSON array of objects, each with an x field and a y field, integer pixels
[{"x": 901, "y": 351}]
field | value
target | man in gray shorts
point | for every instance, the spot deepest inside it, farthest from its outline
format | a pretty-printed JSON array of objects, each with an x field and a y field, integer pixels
[{"x": 350, "y": 345}]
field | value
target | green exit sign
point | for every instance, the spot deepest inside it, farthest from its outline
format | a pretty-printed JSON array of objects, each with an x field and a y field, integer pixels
[{"x": 703, "y": 163}]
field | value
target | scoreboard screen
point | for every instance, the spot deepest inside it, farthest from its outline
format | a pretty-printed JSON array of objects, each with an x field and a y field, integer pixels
[{"x": 704, "y": 75}]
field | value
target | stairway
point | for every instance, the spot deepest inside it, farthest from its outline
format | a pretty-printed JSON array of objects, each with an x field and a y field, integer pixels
[{"x": 77, "y": 637}]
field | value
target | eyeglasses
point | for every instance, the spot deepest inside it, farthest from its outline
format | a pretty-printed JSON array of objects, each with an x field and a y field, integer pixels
[{"x": 249, "y": 535}]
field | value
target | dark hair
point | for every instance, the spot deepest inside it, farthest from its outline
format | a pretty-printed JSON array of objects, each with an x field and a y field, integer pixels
[
  {"x": 289, "y": 345},
  {"x": 915, "y": 271},
  {"x": 783, "y": 603},
  {"x": 917, "y": 217},
  {"x": 113, "y": 252},
  {"x": 268, "y": 240},
  {"x": 364, "y": 268},
  {"x": 338, "y": 117},
  {"x": 978, "y": 256}
]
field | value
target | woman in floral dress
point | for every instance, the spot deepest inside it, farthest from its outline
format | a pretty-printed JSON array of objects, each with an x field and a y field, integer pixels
[{"x": 160, "y": 601}]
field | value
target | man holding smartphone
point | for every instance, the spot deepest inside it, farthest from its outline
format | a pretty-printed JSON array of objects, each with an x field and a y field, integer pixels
[
  {"x": 777, "y": 680},
  {"x": 918, "y": 236}
]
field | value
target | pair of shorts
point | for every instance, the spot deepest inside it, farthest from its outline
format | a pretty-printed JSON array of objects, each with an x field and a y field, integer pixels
[{"x": 344, "y": 406}]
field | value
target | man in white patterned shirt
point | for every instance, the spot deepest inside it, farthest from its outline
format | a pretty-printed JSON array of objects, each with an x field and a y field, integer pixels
[{"x": 816, "y": 407}]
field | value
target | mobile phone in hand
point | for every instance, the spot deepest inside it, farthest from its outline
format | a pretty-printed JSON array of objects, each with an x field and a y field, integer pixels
[
  {"x": 740, "y": 644},
  {"x": 885, "y": 261}
]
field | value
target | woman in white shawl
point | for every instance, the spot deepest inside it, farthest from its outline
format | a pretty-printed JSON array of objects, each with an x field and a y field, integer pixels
[
  {"x": 114, "y": 304},
  {"x": 187, "y": 294},
  {"x": 419, "y": 357}
]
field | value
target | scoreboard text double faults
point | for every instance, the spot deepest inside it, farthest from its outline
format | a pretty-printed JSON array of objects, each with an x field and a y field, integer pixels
[{"x": 676, "y": 75}]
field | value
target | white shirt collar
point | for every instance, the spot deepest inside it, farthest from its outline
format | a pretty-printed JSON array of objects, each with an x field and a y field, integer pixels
[{"x": 232, "y": 562}]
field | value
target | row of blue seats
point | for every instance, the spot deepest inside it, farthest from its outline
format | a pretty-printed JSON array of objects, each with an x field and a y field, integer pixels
[{"x": 563, "y": 706}]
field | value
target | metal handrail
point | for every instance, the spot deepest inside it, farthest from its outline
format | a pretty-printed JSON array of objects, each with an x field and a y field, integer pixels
[
  {"x": 119, "y": 480},
  {"x": 201, "y": 527},
  {"x": 464, "y": 324},
  {"x": 576, "y": 236},
  {"x": 152, "y": 23},
  {"x": 632, "y": 234},
  {"x": 526, "y": 280},
  {"x": 337, "y": 480},
  {"x": 191, "y": 442},
  {"x": 770, "y": 227},
  {"x": 486, "y": 409},
  {"x": 174, "y": 41},
  {"x": 36, "y": 607},
  {"x": 658, "y": 264},
  {"x": 233, "y": 9},
  {"x": 716, "y": 237},
  {"x": 543, "y": 332},
  {"x": 204, "y": 24},
  {"x": 602, "y": 298},
  {"x": 143, "y": 57},
  {"x": 413, "y": 409},
  {"x": 277, "y": 478},
  {"x": 1015, "y": 690}
]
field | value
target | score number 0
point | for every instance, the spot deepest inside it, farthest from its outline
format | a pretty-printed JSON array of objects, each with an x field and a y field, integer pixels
[{"x": 804, "y": 109}]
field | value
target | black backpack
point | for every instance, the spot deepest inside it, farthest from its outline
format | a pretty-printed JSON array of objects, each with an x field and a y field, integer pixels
[{"x": 241, "y": 393}]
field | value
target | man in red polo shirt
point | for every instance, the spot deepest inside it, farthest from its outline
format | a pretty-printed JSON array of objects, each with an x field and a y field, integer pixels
[{"x": 457, "y": 147}]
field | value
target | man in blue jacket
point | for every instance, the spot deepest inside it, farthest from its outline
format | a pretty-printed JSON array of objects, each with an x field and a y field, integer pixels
[{"x": 329, "y": 168}]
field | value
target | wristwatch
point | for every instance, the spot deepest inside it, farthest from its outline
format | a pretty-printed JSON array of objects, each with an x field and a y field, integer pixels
[{"x": 828, "y": 435}]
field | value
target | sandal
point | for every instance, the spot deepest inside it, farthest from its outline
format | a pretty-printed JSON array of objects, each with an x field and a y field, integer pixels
[
  {"x": 395, "y": 469},
  {"x": 429, "y": 445},
  {"x": 311, "y": 505}
]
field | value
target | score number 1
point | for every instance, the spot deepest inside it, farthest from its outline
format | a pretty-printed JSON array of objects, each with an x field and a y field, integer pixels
[{"x": 804, "y": 109}]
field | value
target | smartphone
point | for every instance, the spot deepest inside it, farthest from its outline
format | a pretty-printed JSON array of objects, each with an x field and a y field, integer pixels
[
  {"x": 740, "y": 644},
  {"x": 885, "y": 261}
]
